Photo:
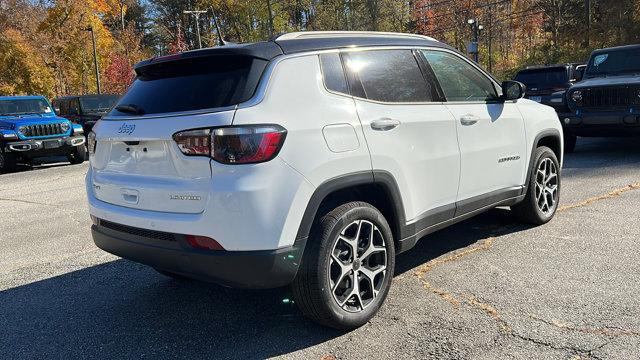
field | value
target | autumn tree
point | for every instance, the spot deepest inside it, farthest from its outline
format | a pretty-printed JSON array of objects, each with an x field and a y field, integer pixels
[{"x": 22, "y": 70}]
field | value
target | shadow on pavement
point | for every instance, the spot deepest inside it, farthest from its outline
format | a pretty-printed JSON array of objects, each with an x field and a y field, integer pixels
[
  {"x": 42, "y": 164},
  {"x": 125, "y": 310},
  {"x": 594, "y": 153}
]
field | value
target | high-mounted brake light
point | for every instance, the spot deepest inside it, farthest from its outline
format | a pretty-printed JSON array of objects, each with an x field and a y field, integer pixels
[
  {"x": 166, "y": 57},
  {"x": 233, "y": 144}
]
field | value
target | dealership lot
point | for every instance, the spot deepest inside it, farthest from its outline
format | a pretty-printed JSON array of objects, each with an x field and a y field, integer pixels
[{"x": 485, "y": 289}]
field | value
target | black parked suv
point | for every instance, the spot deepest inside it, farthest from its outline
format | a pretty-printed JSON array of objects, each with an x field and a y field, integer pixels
[
  {"x": 607, "y": 101},
  {"x": 547, "y": 84},
  {"x": 84, "y": 109}
]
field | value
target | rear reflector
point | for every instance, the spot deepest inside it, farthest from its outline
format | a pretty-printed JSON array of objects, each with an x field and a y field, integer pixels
[{"x": 203, "y": 242}]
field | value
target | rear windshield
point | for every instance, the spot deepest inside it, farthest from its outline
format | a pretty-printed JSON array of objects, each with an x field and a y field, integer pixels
[
  {"x": 99, "y": 103},
  {"x": 614, "y": 62},
  {"x": 192, "y": 84},
  {"x": 543, "y": 78}
]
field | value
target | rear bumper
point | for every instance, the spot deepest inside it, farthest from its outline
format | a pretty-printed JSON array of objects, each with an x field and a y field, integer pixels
[
  {"x": 248, "y": 208},
  {"x": 609, "y": 123},
  {"x": 239, "y": 269}
]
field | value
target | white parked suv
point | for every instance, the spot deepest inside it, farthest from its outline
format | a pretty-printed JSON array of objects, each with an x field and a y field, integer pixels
[{"x": 313, "y": 160}]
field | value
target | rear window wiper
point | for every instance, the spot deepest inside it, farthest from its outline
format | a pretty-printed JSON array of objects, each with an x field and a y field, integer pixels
[{"x": 130, "y": 109}]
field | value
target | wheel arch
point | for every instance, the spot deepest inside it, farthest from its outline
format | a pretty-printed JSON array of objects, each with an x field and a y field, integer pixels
[
  {"x": 551, "y": 138},
  {"x": 378, "y": 188}
]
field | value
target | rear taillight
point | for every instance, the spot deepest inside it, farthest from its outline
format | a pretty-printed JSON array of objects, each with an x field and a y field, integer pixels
[
  {"x": 247, "y": 144},
  {"x": 194, "y": 142},
  {"x": 91, "y": 143},
  {"x": 233, "y": 144}
]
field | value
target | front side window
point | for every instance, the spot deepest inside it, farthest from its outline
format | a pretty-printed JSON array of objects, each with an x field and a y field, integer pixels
[
  {"x": 392, "y": 76},
  {"x": 24, "y": 107},
  {"x": 74, "y": 107},
  {"x": 64, "y": 107},
  {"x": 459, "y": 80}
]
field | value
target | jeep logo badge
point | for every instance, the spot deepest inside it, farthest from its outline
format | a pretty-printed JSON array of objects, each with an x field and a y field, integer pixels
[{"x": 126, "y": 129}]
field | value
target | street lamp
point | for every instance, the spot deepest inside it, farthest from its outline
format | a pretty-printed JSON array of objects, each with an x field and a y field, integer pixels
[
  {"x": 473, "y": 46},
  {"x": 196, "y": 13},
  {"x": 95, "y": 57}
]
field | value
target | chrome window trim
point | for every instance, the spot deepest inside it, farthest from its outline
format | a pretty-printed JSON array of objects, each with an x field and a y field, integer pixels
[{"x": 268, "y": 74}]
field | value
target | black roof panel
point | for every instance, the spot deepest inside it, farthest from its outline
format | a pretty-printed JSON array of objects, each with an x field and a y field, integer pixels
[
  {"x": 625, "y": 47},
  {"x": 268, "y": 50}
]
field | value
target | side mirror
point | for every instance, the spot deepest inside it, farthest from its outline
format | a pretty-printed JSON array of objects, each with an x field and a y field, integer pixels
[{"x": 513, "y": 90}]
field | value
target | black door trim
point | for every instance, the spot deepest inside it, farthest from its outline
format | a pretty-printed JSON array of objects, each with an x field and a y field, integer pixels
[
  {"x": 477, "y": 202},
  {"x": 437, "y": 219}
]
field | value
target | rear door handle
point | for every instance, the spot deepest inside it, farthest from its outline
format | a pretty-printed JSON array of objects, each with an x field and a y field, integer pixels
[
  {"x": 468, "y": 120},
  {"x": 384, "y": 124}
]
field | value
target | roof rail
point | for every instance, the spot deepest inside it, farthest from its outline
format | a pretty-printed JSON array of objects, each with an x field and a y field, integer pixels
[{"x": 331, "y": 34}]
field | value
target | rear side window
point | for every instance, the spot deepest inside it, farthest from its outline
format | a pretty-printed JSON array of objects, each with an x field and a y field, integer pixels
[
  {"x": 544, "y": 78},
  {"x": 392, "y": 76},
  {"x": 459, "y": 80},
  {"x": 333, "y": 74},
  {"x": 193, "y": 84}
]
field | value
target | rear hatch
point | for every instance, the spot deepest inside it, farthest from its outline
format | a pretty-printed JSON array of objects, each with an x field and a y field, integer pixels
[{"x": 137, "y": 163}]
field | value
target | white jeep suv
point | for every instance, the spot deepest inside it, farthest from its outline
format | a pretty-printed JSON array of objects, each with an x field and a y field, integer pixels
[{"x": 313, "y": 160}]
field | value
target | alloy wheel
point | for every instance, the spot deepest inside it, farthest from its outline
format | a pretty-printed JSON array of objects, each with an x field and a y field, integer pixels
[
  {"x": 547, "y": 186},
  {"x": 357, "y": 266}
]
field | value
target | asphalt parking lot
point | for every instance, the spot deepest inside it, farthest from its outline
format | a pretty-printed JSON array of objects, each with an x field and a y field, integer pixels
[{"x": 483, "y": 289}]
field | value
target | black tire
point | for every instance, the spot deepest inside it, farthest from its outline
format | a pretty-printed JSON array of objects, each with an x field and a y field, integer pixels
[
  {"x": 570, "y": 141},
  {"x": 172, "y": 275},
  {"x": 528, "y": 210},
  {"x": 8, "y": 162},
  {"x": 312, "y": 290},
  {"x": 78, "y": 155}
]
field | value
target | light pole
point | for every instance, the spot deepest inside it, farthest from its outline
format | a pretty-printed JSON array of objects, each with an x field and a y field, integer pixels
[
  {"x": 196, "y": 13},
  {"x": 473, "y": 46},
  {"x": 95, "y": 57}
]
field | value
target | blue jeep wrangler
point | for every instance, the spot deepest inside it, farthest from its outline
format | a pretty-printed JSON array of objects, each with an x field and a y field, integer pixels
[{"x": 29, "y": 129}]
